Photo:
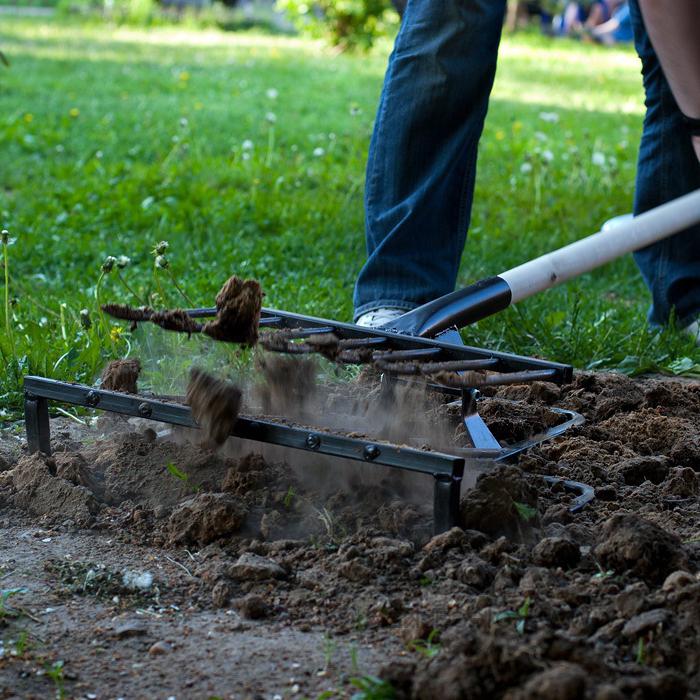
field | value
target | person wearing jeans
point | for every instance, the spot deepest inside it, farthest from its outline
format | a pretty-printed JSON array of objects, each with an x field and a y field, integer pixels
[{"x": 422, "y": 163}]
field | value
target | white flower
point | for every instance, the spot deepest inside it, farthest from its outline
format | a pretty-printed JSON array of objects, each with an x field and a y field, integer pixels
[
  {"x": 183, "y": 122},
  {"x": 271, "y": 117},
  {"x": 247, "y": 145},
  {"x": 318, "y": 152},
  {"x": 540, "y": 136},
  {"x": 551, "y": 117},
  {"x": 526, "y": 168},
  {"x": 246, "y": 155},
  {"x": 598, "y": 158},
  {"x": 272, "y": 94},
  {"x": 547, "y": 156}
]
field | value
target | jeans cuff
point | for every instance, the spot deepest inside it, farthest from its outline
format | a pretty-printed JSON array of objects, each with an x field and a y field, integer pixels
[{"x": 383, "y": 304}]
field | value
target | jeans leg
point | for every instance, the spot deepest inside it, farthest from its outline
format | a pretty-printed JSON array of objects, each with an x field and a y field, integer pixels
[
  {"x": 667, "y": 168},
  {"x": 422, "y": 158}
]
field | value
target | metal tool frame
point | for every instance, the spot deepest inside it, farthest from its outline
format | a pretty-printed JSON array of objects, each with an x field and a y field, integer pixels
[{"x": 447, "y": 470}]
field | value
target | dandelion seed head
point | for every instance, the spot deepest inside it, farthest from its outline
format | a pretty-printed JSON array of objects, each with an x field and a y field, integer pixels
[
  {"x": 318, "y": 152},
  {"x": 270, "y": 117},
  {"x": 247, "y": 145},
  {"x": 551, "y": 117},
  {"x": 598, "y": 159},
  {"x": 526, "y": 168},
  {"x": 272, "y": 94}
]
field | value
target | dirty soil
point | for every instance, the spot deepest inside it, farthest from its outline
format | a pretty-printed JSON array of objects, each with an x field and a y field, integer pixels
[
  {"x": 137, "y": 564},
  {"x": 238, "y": 306}
]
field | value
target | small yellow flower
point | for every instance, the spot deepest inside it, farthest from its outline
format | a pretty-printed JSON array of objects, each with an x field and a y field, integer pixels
[
  {"x": 184, "y": 76},
  {"x": 29, "y": 118},
  {"x": 74, "y": 112},
  {"x": 517, "y": 127},
  {"x": 198, "y": 105},
  {"x": 500, "y": 135},
  {"x": 115, "y": 333}
]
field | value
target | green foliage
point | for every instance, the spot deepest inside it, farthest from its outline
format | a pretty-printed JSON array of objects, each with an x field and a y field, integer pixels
[
  {"x": 5, "y": 595},
  {"x": 427, "y": 647},
  {"x": 176, "y": 144},
  {"x": 520, "y": 616},
  {"x": 55, "y": 672},
  {"x": 372, "y": 688},
  {"x": 182, "y": 476},
  {"x": 525, "y": 511},
  {"x": 348, "y": 24}
]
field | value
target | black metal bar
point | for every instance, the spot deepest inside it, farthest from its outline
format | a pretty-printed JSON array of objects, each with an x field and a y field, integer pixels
[
  {"x": 445, "y": 504},
  {"x": 477, "y": 431},
  {"x": 586, "y": 492},
  {"x": 459, "y": 308},
  {"x": 307, "y": 332},
  {"x": 400, "y": 341},
  {"x": 426, "y": 462},
  {"x": 36, "y": 419},
  {"x": 405, "y": 355}
]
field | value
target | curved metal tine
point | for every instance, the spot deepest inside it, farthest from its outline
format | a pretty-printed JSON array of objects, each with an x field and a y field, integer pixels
[
  {"x": 556, "y": 430},
  {"x": 586, "y": 492},
  {"x": 472, "y": 380},
  {"x": 402, "y": 355},
  {"x": 297, "y": 333},
  {"x": 352, "y": 343},
  {"x": 457, "y": 365}
]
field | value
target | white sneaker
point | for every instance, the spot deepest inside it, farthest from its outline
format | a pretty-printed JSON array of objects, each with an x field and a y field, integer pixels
[{"x": 379, "y": 317}]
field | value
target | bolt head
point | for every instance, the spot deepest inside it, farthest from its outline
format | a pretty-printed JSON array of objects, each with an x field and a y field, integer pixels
[
  {"x": 371, "y": 452},
  {"x": 313, "y": 442}
]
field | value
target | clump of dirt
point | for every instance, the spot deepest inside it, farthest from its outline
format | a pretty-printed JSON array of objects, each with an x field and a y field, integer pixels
[
  {"x": 169, "y": 319},
  {"x": 215, "y": 404},
  {"x": 121, "y": 375},
  {"x": 238, "y": 306},
  {"x": 630, "y": 543},
  {"x": 503, "y": 502},
  {"x": 205, "y": 518},
  {"x": 288, "y": 385},
  {"x": 511, "y": 421},
  {"x": 42, "y": 493},
  {"x": 131, "y": 468},
  {"x": 528, "y": 599}
]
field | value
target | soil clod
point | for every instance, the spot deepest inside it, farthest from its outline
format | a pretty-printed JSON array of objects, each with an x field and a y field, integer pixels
[
  {"x": 215, "y": 404},
  {"x": 121, "y": 375},
  {"x": 238, "y": 306}
]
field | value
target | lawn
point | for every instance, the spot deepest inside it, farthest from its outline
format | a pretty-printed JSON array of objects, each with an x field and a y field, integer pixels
[{"x": 246, "y": 153}]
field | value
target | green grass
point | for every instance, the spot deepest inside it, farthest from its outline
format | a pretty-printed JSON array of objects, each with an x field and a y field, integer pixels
[{"x": 113, "y": 139}]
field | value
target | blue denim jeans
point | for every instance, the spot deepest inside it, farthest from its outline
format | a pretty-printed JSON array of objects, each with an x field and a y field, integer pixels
[
  {"x": 667, "y": 168},
  {"x": 422, "y": 161},
  {"x": 422, "y": 157}
]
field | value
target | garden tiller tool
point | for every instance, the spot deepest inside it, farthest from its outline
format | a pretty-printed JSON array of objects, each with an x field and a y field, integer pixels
[{"x": 423, "y": 343}]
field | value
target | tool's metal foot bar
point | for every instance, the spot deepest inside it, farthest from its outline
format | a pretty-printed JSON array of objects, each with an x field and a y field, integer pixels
[{"x": 446, "y": 469}]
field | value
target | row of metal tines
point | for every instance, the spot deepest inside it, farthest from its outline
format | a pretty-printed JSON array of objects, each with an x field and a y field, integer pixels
[{"x": 377, "y": 351}]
